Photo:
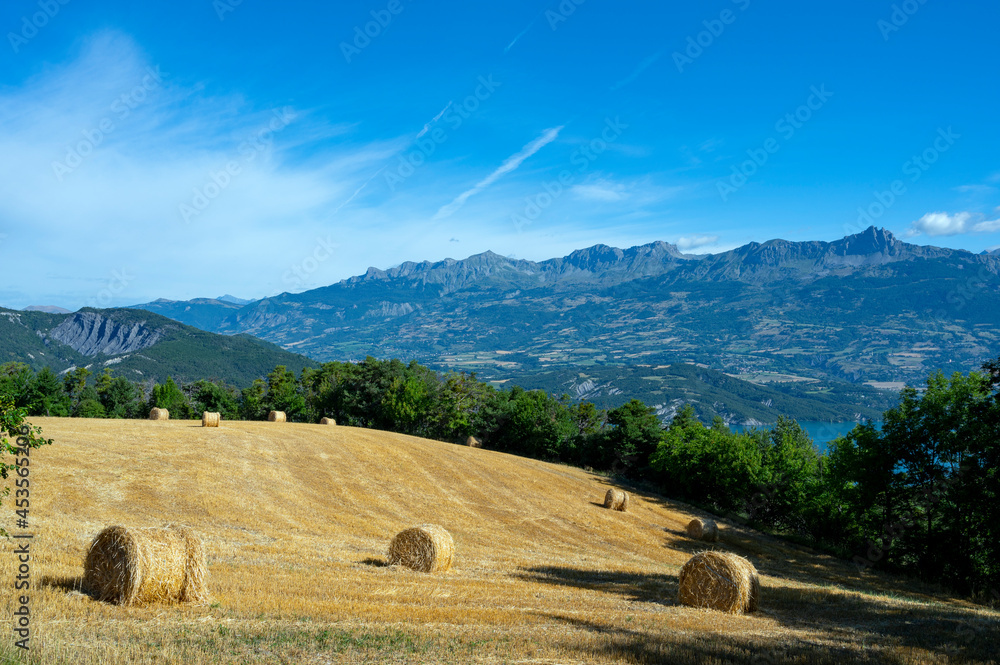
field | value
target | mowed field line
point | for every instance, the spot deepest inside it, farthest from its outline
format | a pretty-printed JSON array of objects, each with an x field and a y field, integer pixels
[{"x": 297, "y": 518}]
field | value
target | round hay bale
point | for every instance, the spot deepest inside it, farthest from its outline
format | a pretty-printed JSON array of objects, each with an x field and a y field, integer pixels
[
  {"x": 327, "y": 421},
  {"x": 616, "y": 500},
  {"x": 152, "y": 565},
  {"x": 473, "y": 442},
  {"x": 427, "y": 548},
  {"x": 276, "y": 417},
  {"x": 211, "y": 419},
  {"x": 720, "y": 581},
  {"x": 159, "y": 414},
  {"x": 703, "y": 529}
]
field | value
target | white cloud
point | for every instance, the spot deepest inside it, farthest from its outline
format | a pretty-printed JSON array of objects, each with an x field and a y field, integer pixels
[
  {"x": 509, "y": 164},
  {"x": 692, "y": 242},
  {"x": 943, "y": 224}
]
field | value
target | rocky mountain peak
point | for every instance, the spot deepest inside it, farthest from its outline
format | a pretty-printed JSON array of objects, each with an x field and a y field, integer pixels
[
  {"x": 871, "y": 241},
  {"x": 92, "y": 334}
]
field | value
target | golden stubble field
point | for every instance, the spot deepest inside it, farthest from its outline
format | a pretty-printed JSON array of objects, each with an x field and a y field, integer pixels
[{"x": 296, "y": 521}]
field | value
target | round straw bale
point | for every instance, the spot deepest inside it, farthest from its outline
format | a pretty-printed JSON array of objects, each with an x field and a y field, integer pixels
[
  {"x": 427, "y": 548},
  {"x": 473, "y": 442},
  {"x": 327, "y": 421},
  {"x": 720, "y": 581},
  {"x": 276, "y": 416},
  {"x": 159, "y": 414},
  {"x": 616, "y": 500},
  {"x": 139, "y": 566},
  {"x": 210, "y": 419},
  {"x": 703, "y": 529}
]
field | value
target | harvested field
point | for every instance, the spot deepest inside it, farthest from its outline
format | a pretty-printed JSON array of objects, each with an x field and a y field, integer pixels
[{"x": 295, "y": 523}]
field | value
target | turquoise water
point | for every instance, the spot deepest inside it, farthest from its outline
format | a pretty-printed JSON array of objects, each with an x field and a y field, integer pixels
[{"x": 821, "y": 433}]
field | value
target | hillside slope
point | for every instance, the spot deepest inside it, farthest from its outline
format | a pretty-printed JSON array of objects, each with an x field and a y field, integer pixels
[
  {"x": 137, "y": 344},
  {"x": 297, "y": 519}
]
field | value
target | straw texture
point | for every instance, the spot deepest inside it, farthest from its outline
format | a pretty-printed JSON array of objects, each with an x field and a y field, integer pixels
[
  {"x": 427, "y": 548},
  {"x": 616, "y": 500},
  {"x": 131, "y": 566},
  {"x": 703, "y": 529},
  {"x": 159, "y": 414},
  {"x": 720, "y": 581}
]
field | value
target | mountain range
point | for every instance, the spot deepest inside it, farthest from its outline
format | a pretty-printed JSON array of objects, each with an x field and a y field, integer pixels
[{"x": 808, "y": 318}]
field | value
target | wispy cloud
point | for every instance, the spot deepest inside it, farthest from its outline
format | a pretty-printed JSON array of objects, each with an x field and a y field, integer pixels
[
  {"x": 976, "y": 189},
  {"x": 520, "y": 34},
  {"x": 643, "y": 66},
  {"x": 943, "y": 224},
  {"x": 132, "y": 163},
  {"x": 427, "y": 127},
  {"x": 711, "y": 145},
  {"x": 639, "y": 192},
  {"x": 601, "y": 191},
  {"x": 358, "y": 190},
  {"x": 509, "y": 164}
]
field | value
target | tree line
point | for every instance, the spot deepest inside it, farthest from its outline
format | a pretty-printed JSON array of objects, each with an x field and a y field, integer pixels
[{"x": 919, "y": 495}]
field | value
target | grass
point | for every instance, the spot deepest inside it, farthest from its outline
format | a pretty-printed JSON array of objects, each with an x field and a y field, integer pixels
[{"x": 297, "y": 519}]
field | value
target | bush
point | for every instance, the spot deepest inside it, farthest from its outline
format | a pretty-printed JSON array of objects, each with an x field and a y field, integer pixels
[{"x": 16, "y": 437}]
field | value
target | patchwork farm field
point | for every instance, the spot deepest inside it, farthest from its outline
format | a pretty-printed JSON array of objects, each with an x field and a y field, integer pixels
[{"x": 296, "y": 521}]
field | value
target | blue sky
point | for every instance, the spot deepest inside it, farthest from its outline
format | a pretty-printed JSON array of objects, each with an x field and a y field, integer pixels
[{"x": 196, "y": 148}]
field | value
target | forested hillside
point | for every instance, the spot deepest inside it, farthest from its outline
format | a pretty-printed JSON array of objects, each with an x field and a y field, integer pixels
[{"x": 139, "y": 345}]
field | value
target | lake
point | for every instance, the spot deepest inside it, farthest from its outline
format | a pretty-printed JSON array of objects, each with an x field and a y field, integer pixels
[{"x": 821, "y": 433}]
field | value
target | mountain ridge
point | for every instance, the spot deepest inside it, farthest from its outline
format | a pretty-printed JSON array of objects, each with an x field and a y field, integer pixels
[
  {"x": 867, "y": 308},
  {"x": 873, "y": 246}
]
